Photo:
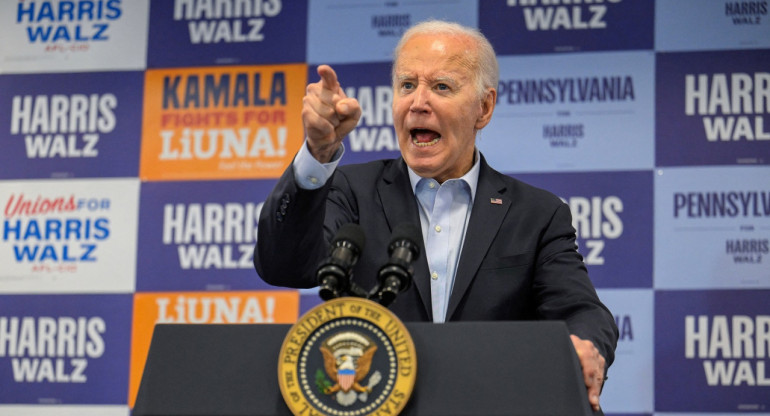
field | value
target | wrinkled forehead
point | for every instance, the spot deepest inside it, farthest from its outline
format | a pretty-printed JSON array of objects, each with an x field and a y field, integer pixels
[{"x": 449, "y": 53}]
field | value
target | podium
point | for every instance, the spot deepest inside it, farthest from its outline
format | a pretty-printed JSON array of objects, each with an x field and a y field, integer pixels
[{"x": 463, "y": 368}]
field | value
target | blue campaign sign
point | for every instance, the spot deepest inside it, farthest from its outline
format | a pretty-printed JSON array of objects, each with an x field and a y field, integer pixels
[
  {"x": 542, "y": 26},
  {"x": 630, "y": 385},
  {"x": 571, "y": 112},
  {"x": 65, "y": 349},
  {"x": 731, "y": 25},
  {"x": 199, "y": 235},
  {"x": 344, "y": 31},
  {"x": 712, "y": 345},
  {"x": 712, "y": 108},
  {"x": 70, "y": 125},
  {"x": 374, "y": 137},
  {"x": 200, "y": 32},
  {"x": 612, "y": 214},
  {"x": 712, "y": 228}
]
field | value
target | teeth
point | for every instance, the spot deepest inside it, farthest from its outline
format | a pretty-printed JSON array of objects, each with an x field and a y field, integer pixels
[
  {"x": 430, "y": 143},
  {"x": 415, "y": 132}
]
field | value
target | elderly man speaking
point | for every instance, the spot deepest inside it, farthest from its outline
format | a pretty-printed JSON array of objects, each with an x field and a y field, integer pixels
[{"x": 495, "y": 248}]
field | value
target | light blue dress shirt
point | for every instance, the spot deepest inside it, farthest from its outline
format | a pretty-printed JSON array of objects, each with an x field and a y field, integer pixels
[{"x": 444, "y": 213}]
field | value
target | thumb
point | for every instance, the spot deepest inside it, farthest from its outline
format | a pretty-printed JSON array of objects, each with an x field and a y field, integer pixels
[
  {"x": 348, "y": 108},
  {"x": 349, "y": 113}
]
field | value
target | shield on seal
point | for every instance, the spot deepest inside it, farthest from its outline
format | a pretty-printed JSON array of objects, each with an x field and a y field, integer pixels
[
  {"x": 347, "y": 360},
  {"x": 346, "y": 377}
]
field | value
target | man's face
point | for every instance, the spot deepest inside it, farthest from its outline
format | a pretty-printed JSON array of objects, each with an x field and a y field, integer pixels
[{"x": 436, "y": 107}]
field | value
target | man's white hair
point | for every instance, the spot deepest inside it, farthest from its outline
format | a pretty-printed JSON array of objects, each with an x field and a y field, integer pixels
[{"x": 484, "y": 60}]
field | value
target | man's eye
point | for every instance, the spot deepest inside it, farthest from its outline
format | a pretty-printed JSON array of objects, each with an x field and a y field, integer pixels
[
  {"x": 442, "y": 87},
  {"x": 407, "y": 85}
]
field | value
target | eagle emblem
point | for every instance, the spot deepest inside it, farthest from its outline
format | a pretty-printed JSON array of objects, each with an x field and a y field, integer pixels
[{"x": 347, "y": 361}]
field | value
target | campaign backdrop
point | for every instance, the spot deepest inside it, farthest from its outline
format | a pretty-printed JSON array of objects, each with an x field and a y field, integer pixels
[
  {"x": 67, "y": 36},
  {"x": 65, "y": 349},
  {"x": 221, "y": 122},
  {"x": 208, "y": 307},
  {"x": 139, "y": 140},
  {"x": 722, "y": 216},
  {"x": 199, "y": 235},
  {"x": 718, "y": 351},
  {"x": 69, "y": 239},
  {"x": 633, "y": 310},
  {"x": 201, "y": 33},
  {"x": 713, "y": 108},
  {"x": 572, "y": 112},
  {"x": 611, "y": 215},
  {"x": 70, "y": 125}
]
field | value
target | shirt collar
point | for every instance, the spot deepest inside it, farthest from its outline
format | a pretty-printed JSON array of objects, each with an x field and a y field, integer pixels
[{"x": 471, "y": 177}]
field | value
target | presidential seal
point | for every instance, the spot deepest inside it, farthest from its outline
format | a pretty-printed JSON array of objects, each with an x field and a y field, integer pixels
[{"x": 347, "y": 357}]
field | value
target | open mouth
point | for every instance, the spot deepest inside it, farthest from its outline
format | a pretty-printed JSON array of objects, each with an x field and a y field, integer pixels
[{"x": 424, "y": 137}]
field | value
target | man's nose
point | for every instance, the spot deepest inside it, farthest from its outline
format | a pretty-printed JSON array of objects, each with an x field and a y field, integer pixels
[{"x": 420, "y": 99}]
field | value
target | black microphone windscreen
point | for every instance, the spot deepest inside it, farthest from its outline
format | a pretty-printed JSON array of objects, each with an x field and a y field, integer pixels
[
  {"x": 353, "y": 233},
  {"x": 406, "y": 231}
]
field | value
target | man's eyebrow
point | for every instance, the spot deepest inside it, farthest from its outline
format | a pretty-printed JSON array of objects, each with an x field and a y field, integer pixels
[{"x": 445, "y": 79}]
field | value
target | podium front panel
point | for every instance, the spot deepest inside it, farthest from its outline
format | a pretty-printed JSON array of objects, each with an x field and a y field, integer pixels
[{"x": 463, "y": 368}]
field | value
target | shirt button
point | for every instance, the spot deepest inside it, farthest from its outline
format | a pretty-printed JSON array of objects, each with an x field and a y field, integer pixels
[
  {"x": 434, "y": 275},
  {"x": 437, "y": 228},
  {"x": 313, "y": 180},
  {"x": 432, "y": 185}
]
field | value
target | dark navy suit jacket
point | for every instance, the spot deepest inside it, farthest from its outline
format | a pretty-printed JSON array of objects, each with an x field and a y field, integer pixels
[{"x": 519, "y": 260}]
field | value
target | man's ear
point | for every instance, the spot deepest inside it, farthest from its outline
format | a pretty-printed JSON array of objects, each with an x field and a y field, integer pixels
[{"x": 487, "y": 108}]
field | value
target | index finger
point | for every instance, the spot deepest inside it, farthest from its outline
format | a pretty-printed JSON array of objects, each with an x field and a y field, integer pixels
[
  {"x": 328, "y": 78},
  {"x": 593, "y": 394}
]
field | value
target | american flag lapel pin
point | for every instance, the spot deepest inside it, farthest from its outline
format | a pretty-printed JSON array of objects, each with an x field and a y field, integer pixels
[{"x": 496, "y": 201}]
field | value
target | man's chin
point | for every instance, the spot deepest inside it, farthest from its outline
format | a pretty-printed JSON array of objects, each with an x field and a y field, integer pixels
[{"x": 424, "y": 170}]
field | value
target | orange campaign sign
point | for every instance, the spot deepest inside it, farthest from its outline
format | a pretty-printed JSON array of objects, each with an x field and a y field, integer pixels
[
  {"x": 252, "y": 307},
  {"x": 237, "y": 122}
]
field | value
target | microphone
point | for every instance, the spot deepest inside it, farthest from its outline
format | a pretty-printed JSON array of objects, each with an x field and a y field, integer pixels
[
  {"x": 396, "y": 275},
  {"x": 334, "y": 273}
]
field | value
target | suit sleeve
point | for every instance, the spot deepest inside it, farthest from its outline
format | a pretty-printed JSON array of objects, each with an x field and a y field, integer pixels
[
  {"x": 290, "y": 237},
  {"x": 564, "y": 289},
  {"x": 295, "y": 227}
]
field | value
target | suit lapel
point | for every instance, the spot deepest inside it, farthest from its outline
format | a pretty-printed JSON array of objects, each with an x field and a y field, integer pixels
[
  {"x": 400, "y": 206},
  {"x": 489, "y": 208}
]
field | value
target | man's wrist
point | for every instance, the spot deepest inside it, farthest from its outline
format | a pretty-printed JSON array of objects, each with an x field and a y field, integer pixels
[
  {"x": 311, "y": 174},
  {"x": 324, "y": 154}
]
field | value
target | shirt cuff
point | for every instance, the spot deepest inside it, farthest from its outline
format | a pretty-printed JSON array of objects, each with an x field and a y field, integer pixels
[{"x": 310, "y": 173}]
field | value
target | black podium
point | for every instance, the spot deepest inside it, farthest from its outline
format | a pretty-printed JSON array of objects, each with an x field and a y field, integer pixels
[{"x": 463, "y": 368}]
